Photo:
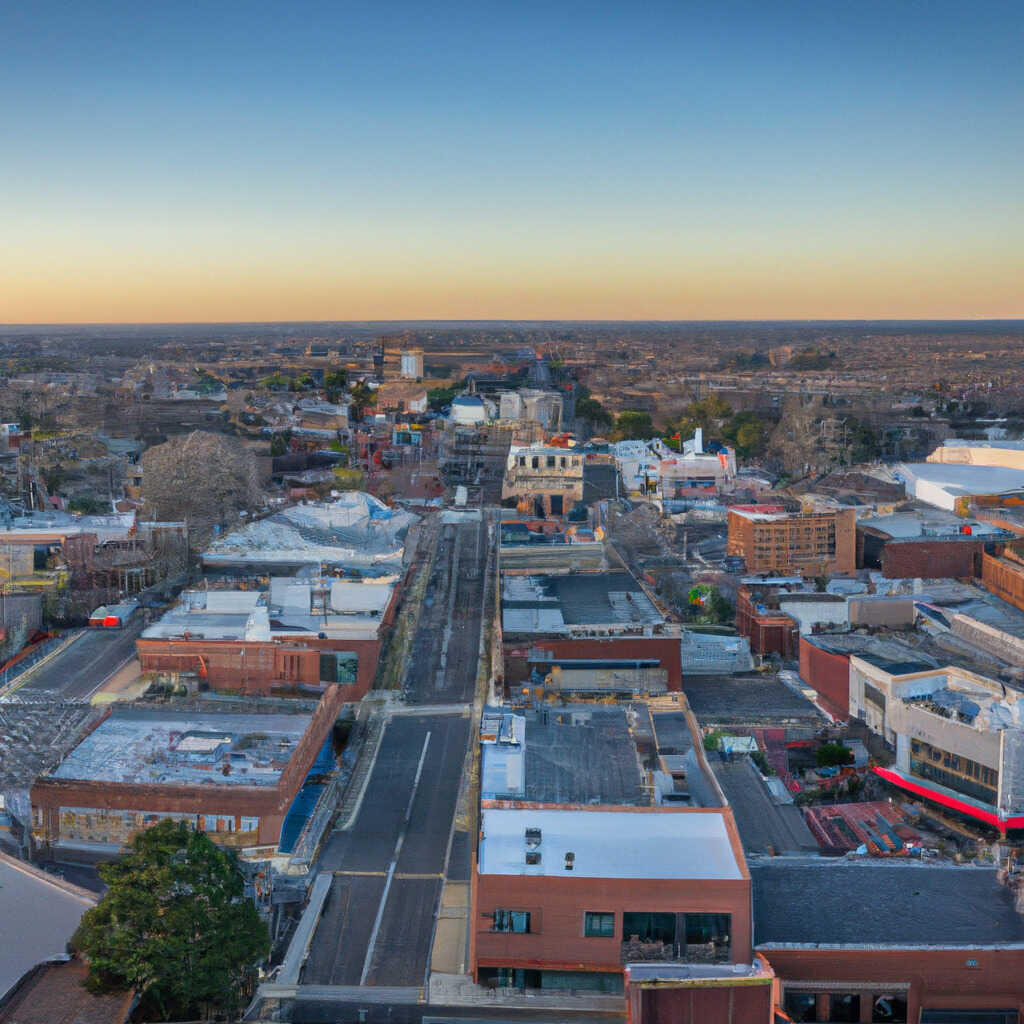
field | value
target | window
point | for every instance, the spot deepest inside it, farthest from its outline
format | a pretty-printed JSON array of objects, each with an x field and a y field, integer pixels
[
  {"x": 249, "y": 825},
  {"x": 649, "y": 927},
  {"x": 801, "y": 1006},
  {"x": 889, "y": 1009},
  {"x": 517, "y": 921},
  {"x": 561, "y": 462},
  {"x": 707, "y": 933},
  {"x": 536, "y": 462},
  {"x": 551, "y": 462},
  {"x": 598, "y": 925},
  {"x": 843, "y": 1008},
  {"x": 339, "y": 667}
]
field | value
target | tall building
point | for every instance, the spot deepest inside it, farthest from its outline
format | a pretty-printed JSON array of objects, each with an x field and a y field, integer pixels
[
  {"x": 412, "y": 363},
  {"x": 772, "y": 540}
]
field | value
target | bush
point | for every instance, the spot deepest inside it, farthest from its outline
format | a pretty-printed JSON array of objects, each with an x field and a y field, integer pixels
[{"x": 830, "y": 755}]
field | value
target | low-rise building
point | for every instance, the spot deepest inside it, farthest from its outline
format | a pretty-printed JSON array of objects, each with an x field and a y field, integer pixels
[
  {"x": 565, "y": 897},
  {"x": 771, "y": 540},
  {"x": 884, "y": 940},
  {"x": 302, "y": 635},
  {"x": 234, "y": 775},
  {"x": 543, "y": 480}
]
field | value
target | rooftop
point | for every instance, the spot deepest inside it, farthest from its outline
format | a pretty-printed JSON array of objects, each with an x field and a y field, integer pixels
[
  {"x": 168, "y": 749},
  {"x": 880, "y": 903},
  {"x": 929, "y": 524},
  {"x": 352, "y": 529},
  {"x": 41, "y": 912},
  {"x": 580, "y": 754},
  {"x": 563, "y": 603},
  {"x": 56, "y": 994},
  {"x": 959, "y": 479},
  {"x": 649, "y": 843}
]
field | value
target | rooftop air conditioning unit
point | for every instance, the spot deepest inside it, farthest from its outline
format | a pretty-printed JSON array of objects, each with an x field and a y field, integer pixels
[
  {"x": 533, "y": 837},
  {"x": 570, "y": 861},
  {"x": 533, "y": 856}
]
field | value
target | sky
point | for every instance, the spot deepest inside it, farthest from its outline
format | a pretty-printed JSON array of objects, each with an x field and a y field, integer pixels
[{"x": 179, "y": 161}]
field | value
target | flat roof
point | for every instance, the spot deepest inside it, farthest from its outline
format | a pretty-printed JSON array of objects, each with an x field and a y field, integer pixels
[
  {"x": 839, "y": 902},
  {"x": 655, "y": 843},
  {"x": 167, "y": 748},
  {"x": 959, "y": 478},
  {"x": 578, "y": 754},
  {"x": 552, "y": 603},
  {"x": 928, "y": 524}
]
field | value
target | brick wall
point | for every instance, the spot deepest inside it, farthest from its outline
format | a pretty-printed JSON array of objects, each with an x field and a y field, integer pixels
[
  {"x": 932, "y": 559},
  {"x": 255, "y": 667},
  {"x": 829, "y": 675},
  {"x": 710, "y": 1003},
  {"x": 1004, "y": 579},
  {"x": 938, "y": 978},
  {"x": 557, "y": 906},
  {"x": 665, "y": 650},
  {"x": 269, "y": 803}
]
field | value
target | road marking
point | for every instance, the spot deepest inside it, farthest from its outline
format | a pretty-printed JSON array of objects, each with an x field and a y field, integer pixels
[
  {"x": 362, "y": 874},
  {"x": 394, "y": 863}
]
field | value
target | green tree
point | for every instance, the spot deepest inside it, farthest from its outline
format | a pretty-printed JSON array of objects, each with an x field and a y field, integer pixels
[
  {"x": 174, "y": 925},
  {"x": 363, "y": 396},
  {"x": 832, "y": 754},
  {"x": 591, "y": 410},
  {"x": 634, "y": 425},
  {"x": 280, "y": 443}
]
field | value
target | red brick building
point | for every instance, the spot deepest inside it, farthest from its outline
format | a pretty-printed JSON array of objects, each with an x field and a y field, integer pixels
[
  {"x": 769, "y": 630},
  {"x": 1004, "y": 576},
  {"x": 565, "y": 896},
  {"x": 772, "y": 540},
  {"x": 827, "y": 670},
  {"x": 234, "y": 775},
  {"x": 891, "y": 941}
]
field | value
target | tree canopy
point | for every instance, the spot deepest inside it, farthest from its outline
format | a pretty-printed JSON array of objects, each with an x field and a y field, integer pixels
[
  {"x": 634, "y": 426},
  {"x": 174, "y": 924}
]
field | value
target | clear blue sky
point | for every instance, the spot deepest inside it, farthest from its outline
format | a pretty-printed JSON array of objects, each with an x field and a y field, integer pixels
[{"x": 331, "y": 160}]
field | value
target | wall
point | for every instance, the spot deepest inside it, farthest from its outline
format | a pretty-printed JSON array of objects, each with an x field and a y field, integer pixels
[
  {"x": 1004, "y": 579},
  {"x": 937, "y": 977},
  {"x": 829, "y": 675},
  {"x": 269, "y": 803},
  {"x": 557, "y": 905},
  {"x": 710, "y": 1003},
  {"x": 257, "y": 667},
  {"x": 790, "y": 548},
  {"x": 666, "y": 650},
  {"x": 932, "y": 559}
]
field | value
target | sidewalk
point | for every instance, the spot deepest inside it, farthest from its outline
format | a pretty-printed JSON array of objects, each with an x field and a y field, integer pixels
[{"x": 459, "y": 990}]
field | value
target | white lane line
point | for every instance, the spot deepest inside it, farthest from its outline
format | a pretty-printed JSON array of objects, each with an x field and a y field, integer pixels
[{"x": 394, "y": 863}]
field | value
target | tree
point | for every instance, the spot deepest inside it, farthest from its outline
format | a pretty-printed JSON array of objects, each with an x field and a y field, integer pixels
[
  {"x": 832, "y": 754},
  {"x": 204, "y": 480},
  {"x": 174, "y": 924},
  {"x": 634, "y": 425},
  {"x": 280, "y": 443},
  {"x": 591, "y": 410},
  {"x": 363, "y": 396}
]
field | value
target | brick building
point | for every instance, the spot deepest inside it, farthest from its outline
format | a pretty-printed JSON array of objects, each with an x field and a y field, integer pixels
[
  {"x": 234, "y": 775},
  {"x": 565, "y": 896},
  {"x": 769, "y": 539},
  {"x": 1003, "y": 574},
  {"x": 924, "y": 544},
  {"x": 301, "y": 635},
  {"x": 769, "y": 630},
  {"x": 881, "y": 940}
]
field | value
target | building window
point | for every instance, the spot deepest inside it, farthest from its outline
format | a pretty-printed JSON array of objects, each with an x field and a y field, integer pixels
[
  {"x": 536, "y": 462},
  {"x": 551, "y": 462},
  {"x": 843, "y": 1008},
  {"x": 889, "y": 1009},
  {"x": 598, "y": 925},
  {"x": 649, "y": 927},
  {"x": 339, "y": 667},
  {"x": 249, "y": 825},
  {"x": 801, "y": 1006},
  {"x": 517, "y": 921}
]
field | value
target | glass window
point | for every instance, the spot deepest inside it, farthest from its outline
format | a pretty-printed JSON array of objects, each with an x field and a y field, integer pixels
[
  {"x": 250, "y": 825},
  {"x": 598, "y": 924},
  {"x": 801, "y": 1006},
  {"x": 648, "y": 927},
  {"x": 889, "y": 1009},
  {"x": 551, "y": 462},
  {"x": 843, "y": 1008},
  {"x": 517, "y": 921},
  {"x": 536, "y": 462},
  {"x": 707, "y": 936}
]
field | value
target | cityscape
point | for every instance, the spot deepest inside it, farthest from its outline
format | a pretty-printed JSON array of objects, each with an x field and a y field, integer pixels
[{"x": 512, "y": 515}]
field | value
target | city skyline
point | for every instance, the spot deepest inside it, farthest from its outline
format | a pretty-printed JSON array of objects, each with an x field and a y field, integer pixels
[{"x": 479, "y": 162}]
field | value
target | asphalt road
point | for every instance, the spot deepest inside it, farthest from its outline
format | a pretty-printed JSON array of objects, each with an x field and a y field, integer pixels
[
  {"x": 82, "y": 667},
  {"x": 443, "y": 658},
  {"x": 391, "y": 836}
]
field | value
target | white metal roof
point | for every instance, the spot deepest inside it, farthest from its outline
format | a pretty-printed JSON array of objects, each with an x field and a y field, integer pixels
[{"x": 609, "y": 844}]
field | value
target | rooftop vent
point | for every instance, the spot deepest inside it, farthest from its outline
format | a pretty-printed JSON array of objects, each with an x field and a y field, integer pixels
[
  {"x": 533, "y": 836},
  {"x": 533, "y": 856},
  {"x": 570, "y": 861}
]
